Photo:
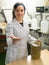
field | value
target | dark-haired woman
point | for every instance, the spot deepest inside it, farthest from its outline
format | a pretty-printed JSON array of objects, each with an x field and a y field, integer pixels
[{"x": 17, "y": 35}]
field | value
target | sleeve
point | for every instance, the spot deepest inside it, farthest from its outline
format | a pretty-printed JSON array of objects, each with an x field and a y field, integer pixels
[
  {"x": 9, "y": 32},
  {"x": 31, "y": 38}
]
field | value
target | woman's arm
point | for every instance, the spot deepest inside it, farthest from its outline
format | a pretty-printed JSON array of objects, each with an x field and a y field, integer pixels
[
  {"x": 31, "y": 38},
  {"x": 10, "y": 36}
]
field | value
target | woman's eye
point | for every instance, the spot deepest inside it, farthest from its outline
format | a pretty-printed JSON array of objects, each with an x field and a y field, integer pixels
[{"x": 21, "y": 10}]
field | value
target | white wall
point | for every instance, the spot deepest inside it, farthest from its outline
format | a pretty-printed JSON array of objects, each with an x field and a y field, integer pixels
[{"x": 8, "y": 4}]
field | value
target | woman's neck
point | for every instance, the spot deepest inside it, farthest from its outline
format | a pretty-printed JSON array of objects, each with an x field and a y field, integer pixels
[{"x": 19, "y": 20}]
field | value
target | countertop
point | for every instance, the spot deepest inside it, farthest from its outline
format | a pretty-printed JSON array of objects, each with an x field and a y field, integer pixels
[{"x": 44, "y": 60}]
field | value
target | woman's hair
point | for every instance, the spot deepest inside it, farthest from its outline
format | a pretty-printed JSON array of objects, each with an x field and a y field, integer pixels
[{"x": 15, "y": 6}]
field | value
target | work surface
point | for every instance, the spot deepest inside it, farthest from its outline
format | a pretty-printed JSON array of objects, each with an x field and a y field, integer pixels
[{"x": 44, "y": 60}]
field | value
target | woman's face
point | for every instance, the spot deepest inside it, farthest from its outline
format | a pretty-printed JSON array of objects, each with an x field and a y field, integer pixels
[{"x": 19, "y": 12}]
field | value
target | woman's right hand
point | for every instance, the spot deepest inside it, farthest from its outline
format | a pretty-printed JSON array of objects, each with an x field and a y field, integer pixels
[{"x": 14, "y": 38}]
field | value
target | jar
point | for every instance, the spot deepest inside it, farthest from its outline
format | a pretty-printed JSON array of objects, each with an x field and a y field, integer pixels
[{"x": 35, "y": 50}]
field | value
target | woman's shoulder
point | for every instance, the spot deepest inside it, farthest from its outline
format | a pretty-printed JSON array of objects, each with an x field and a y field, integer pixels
[{"x": 10, "y": 23}]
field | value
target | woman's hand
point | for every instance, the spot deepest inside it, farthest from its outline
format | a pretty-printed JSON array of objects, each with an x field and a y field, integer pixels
[
  {"x": 14, "y": 38},
  {"x": 38, "y": 41}
]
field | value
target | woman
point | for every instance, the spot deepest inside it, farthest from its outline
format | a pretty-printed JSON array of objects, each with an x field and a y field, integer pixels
[{"x": 17, "y": 35}]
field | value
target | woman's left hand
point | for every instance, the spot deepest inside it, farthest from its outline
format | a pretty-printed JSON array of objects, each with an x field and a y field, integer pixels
[{"x": 38, "y": 41}]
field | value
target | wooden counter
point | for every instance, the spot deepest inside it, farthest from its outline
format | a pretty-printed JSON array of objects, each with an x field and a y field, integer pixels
[{"x": 44, "y": 60}]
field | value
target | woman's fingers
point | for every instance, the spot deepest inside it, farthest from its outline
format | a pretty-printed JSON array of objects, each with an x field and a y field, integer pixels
[
  {"x": 16, "y": 38},
  {"x": 38, "y": 41}
]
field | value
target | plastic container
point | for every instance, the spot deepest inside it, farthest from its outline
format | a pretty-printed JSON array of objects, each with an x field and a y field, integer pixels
[{"x": 35, "y": 50}]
